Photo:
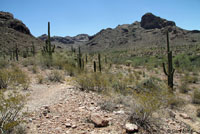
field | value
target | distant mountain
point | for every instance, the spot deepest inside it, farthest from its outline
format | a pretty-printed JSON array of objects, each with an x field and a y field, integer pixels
[
  {"x": 67, "y": 41},
  {"x": 150, "y": 31},
  {"x": 14, "y": 32}
]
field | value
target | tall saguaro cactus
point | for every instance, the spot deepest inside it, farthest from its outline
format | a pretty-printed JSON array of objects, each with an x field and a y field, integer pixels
[
  {"x": 17, "y": 52},
  {"x": 79, "y": 57},
  {"x": 170, "y": 71},
  {"x": 94, "y": 66},
  {"x": 48, "y": 48},
  {"x": 99, "y": 59}
]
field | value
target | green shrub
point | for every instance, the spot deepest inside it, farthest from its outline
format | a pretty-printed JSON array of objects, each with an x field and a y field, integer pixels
[
  {"x": 146, "y": 103},
  {"x": 184, "y": 88},
  {"x": 13, "y": 77},
  {"x": 10, "y": 106},
  {"x": 28, "y": 61},
  {"x": 56, "y": 76},
  {"x": 196, "y": 96},
  {"x": 4, "y": 78},
  {"x": 93, "y": 81},
  {"x": 40, "y": 79},
  {"x": 34, "y": 69},
  {"x": 3, "y": 63}
]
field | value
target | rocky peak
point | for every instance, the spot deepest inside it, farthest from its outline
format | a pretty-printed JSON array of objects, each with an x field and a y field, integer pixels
[
  {"x": 150, "y": 21},
  {"x": 7, "y": 20}
]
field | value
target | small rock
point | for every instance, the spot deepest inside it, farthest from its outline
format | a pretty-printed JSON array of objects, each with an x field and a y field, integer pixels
[
  {"x": 74, "y": 126},
  {"x": 119, "y": 112},
  {"x": 98, "y": 120},
  {"x": 67, "y": 125},
  {"x": 185, "y": 116},
  {"x": 30, "y": 120},
  {"x": 131, "y": 128}
]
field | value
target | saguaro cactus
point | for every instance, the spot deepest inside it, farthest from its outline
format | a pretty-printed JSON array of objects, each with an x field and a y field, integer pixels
[
  {"x": 79, "y": 57},
  {"x": 48, "y": 48},
  {"x": 86, "y": 59},
  {"x": 33, "y": 49},
  {"x": 99, "y": 59},
  {"x": 17, "y": 52},
  {"x": 95, "y": 66},
  {"x": 170, "y": 71}
]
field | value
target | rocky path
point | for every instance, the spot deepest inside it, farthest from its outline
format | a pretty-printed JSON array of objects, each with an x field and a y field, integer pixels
[{"x": 61, "y": 108}]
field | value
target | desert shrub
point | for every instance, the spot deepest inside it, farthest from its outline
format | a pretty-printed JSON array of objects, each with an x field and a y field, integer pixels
[
  {"x": 187, "y": 62},
  {"x": 184, "y": 88},
  {"x": 150, "y": 96},
  {"x": 175, "y": 102},
  {"x": 70, "y": 69},
  {"x": 45, "y": 61},
  {"x": 28, "y": 61},
  {"x": 198, "y": 112},
  {"x": 19, "y": 77},
  {"x": 93, "y": 81},
  {"x": 189, "y": 79},
  {"x": 13, "y": 76},
  {"x": 196, "y": 96},
  {"x": 149, "y": 84},
  {"x": 34, "y": 69},
  {"x": 146, "y": 103},
  {"x": 20, "y": 129},
  {"x": 10, "y": 106},
  {"x": 108, "y": 105},
  {"x": 3, "y": 63},
  {"x": 40, "y": 79},
  {"x": 4, "y": 78},
  {"x": 56, "y": 76}
]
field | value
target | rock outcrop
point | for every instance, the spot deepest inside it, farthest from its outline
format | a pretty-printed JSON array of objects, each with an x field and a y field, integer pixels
[
  {"x": 149, "y": 32},
  {"x": 14, "y": 32},
  {"x": 7, "y": 20},
  {"x": 150, "y": 21}
]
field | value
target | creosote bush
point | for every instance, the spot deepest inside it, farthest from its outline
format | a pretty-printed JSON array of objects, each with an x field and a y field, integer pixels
[
  {"x": 196, "y": 96},
  {"x": 40, "y": 79},
  {"x": 56, "y": 76},
  {"x": 93, "y": 81},
  {"x": 13, "y": 77},
  {"x": 11, "y": 103}
]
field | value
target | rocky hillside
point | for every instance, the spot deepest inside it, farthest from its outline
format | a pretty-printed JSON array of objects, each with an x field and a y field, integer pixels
[
  {"x": 67, "y": 41},
  {"x": 14, "y": 32},
  {"x": 149, "y": 32}
]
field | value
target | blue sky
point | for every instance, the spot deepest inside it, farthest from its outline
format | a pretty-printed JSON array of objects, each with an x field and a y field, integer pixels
[{"x": 72, "y": 17}]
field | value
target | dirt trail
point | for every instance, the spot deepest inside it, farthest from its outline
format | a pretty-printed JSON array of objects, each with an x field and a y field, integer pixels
[{"x": 45, "y": 95}]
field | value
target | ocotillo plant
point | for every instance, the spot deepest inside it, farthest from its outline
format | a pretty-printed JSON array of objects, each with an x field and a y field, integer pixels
[
  {"x": 170, "y": 73},
  {"x": 95, "y": 66},
  {"x": 48, "y": 48},
  {"x": 99, "y": 60}
]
